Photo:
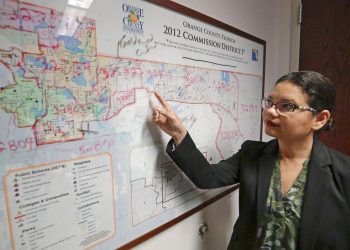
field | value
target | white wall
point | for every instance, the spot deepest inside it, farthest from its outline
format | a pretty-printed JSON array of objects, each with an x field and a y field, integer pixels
[{"x": 274, "y": 21}]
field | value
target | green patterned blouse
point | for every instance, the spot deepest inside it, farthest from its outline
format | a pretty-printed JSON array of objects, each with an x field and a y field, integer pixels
[{"x": 279, "y": 226}]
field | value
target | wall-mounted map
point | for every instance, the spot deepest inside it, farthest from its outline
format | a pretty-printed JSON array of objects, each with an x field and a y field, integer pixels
[{"x": 81, "y": 163}]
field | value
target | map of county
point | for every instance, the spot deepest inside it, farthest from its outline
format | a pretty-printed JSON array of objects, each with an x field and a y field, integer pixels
[
  {"x": 56, "y": 83},
  {"x": 61, "y": 102}
]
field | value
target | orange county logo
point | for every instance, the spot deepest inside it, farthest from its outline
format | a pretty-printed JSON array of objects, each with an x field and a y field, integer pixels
[{"x": 132, "y": 22}]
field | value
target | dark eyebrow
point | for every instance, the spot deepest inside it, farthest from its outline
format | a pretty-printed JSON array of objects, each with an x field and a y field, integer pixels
[
  {"x": 289, "y": 101},
  {"x": 283, "y": 100}
]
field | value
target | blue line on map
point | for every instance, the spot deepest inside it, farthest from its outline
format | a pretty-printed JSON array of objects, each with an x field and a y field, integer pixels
[{"x": 199, "y": 60}]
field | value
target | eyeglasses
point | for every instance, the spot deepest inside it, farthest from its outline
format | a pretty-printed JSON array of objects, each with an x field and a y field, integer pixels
[{"x": 284, "y": 107}]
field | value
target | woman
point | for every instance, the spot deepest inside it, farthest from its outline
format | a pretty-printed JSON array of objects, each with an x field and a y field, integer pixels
[{"x": 294, "y": 190}]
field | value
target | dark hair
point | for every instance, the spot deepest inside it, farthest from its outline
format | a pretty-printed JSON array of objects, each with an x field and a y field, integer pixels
[{"x": 320, "y": 90}]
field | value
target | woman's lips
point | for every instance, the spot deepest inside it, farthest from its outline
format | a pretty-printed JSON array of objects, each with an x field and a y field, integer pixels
[{"x": 271, "y": 124}]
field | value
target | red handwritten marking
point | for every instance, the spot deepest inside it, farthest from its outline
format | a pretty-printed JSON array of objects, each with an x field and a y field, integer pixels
[
  {"x": 229, "y": 134},
  {"x": 97, "y": 146},
  {"x": 70, "y": 109},
  {"x": 249, "y": 108},
  {"x": 15, "y": 145},
  {"x": 2, "y": 147}
]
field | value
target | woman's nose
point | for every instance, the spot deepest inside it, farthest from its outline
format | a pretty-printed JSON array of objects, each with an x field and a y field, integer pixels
[{"x": 272, "y": 111}]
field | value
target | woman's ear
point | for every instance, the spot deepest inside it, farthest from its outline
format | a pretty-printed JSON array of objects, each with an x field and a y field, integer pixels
[{"x": 321, "y": 119}]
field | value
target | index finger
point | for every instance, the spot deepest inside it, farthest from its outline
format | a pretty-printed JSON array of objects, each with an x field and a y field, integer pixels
[{"x": 161, "y": 100}]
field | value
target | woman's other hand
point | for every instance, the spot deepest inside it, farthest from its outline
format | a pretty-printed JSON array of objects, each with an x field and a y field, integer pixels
[{"x": 168, "y": 120}]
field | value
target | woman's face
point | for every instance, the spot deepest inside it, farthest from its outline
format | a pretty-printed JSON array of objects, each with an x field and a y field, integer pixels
[{"x": 296, "y": 125}]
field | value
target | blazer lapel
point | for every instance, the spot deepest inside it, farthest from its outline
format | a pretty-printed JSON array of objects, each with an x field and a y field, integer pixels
[
  {"x": 315, "y": 193},
  {"x": 266, "y": 164}
]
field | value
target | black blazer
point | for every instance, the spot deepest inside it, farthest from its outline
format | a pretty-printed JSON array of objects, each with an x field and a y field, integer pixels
[{"x": 325, "y": 218}]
